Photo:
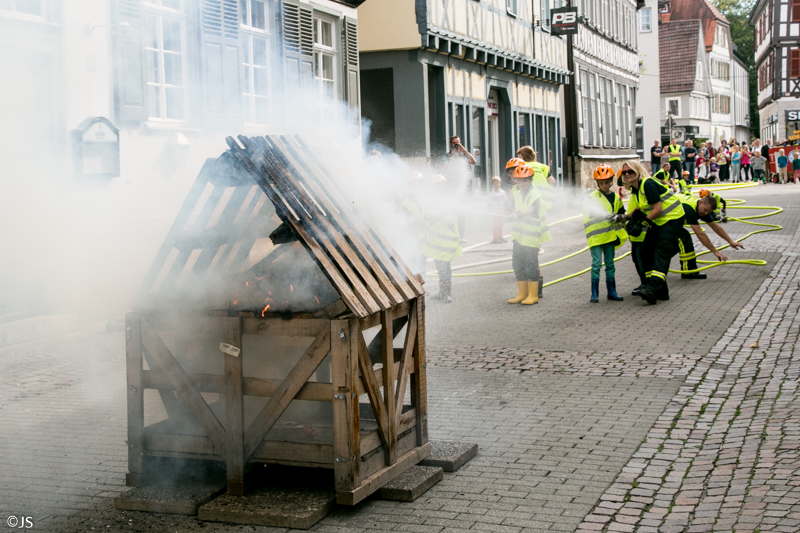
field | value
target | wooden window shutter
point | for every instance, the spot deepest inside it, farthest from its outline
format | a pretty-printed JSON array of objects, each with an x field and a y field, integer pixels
[
  {"x": 129, "y": 84},
  {"x": 794, "y": 63},
  {"x": 298, "y": 43},
  {"x": 350, "y": 60},
  {"x": 219, "y": 28},
  {"x": 795, "y": 10}
]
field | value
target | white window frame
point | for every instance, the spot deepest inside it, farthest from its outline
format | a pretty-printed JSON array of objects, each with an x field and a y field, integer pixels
[
  {"x": 248, "y": 34},
  {"x": 28, "y": 16},
  {"x": 320, "y": 52},
  {"x": 669, "y": 101},
  {"x": 544, "y": 7},
  {"x": 698, "y": 74},
  {"x": 646, "y": 20},
  {"x": 586, "y": 122},
  {"x": 511, "y": 8},
  {"x": 154, "y": 8}
]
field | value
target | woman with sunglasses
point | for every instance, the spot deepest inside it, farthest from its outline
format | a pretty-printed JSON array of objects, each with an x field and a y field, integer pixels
[
  {"x": 637, "y": 241},
  {"x": 661, "y": 210}
]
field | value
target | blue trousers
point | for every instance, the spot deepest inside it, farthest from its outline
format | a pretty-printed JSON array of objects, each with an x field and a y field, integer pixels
[{"x": 604, "y": 252}]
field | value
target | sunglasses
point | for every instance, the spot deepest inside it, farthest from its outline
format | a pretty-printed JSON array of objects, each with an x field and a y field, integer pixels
[{"x": 628, "y": 172}]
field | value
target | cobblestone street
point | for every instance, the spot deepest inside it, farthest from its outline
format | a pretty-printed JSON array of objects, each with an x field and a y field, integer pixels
[{"x": 684, "y": 416}]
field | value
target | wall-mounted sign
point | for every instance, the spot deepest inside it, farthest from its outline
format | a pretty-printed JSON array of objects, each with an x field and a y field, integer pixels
[
  {"x": 793, "y": 126},
  {"x": 95, "y": 149},
  {"x": 491, "y": 103},
  {"x": 564, "y": 21}
]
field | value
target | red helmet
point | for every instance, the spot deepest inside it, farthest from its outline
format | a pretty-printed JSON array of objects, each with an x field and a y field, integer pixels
[
  {"x": 603, "y": 172},
  {"x": 521, "y": 172},
  {"x": 515, "y": 162}
]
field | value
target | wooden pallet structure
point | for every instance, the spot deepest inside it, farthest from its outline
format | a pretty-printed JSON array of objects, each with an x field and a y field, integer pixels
[{"x": 303, "y": 383}]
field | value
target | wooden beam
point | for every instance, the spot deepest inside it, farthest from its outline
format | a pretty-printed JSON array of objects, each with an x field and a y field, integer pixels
[
  {"x": 373, "y": 390},
  {"x": 387, "y": 339},
  {"x": 287, "y": 391},
  {"x": 234, "y": 408},
  {"x": 382, "y": 477},
  {"x": 345, "y": 459},
  {"x": 419, "y": 386},
  {"x": 184, "y": 386},
  {"x": 135, "y": 390},
  {"x": 405, "y": 360}
]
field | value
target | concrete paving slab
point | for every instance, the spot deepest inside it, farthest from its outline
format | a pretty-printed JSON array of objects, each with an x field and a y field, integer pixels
[
  {"x": 175, "y": 499},
  {"x": 411, "y": 484},
  {"x": 449, "y": 455}
]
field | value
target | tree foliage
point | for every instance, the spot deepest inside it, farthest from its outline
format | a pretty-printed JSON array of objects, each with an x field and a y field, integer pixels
[{"x": 743, "y": 36}]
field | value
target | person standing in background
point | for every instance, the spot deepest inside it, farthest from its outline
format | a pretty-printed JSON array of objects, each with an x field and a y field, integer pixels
[
  {"x": 736, "y": 163},
  {"x": 782, "y": 162},
  {"x": 690, "y": 153},
  {"x": 758, "y": 162},
  {"x": 655, "y": 157},
  {"x": 458, "y": 154},
  {"x": 722, "y": 161},
  {"x": 497, "y": 206},
  {"x": 746, "y": 176},
  {"x": 674, "y": 152}
]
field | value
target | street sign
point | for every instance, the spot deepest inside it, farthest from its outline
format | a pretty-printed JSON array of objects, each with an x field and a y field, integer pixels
[
  {"x": 679, "y": 134},
  {"x": 564, "y": 21}
]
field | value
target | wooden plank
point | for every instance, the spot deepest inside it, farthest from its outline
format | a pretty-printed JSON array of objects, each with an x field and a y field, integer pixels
[
  {"x": 169, "y": 442},
  {"x": 172, "y": 405},
  {"x": 372, "y": 440},
  {"x": 355, "y": 409},
  {"x": 373, "y": 320},
  {"x": 287, "y": 391},
  {"x": 134, "y": 368},
  {"x": 374, "y": 462},
  {"x": 408, "y": 348},
  {"x": 294, "y": 453},
  {"x": 387, "y": 339},
  {"x": 419, "y": 384},
  {"x": 317, "y": 392},
  {"x": 234, "y": 408},
  {"x": 310, "y": 243},
  {"x": 337, "y": 218},
  {"x": 379, "y": 246},
  {"x": 184, "y": 386},
  {"x": 344, "y": 456},
  {"x": 214, "y": 325},
  {"x": 382, "y": 477},
  {"x": 373, "y": 390},
  {"x": 297, "y": 327},
  {"x": 361, "y": 279}
]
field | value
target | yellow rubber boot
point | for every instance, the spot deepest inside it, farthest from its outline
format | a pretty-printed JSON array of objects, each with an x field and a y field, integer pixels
[
  {"x": 533, "y": 294},
  {"x": 522, "y": 290}
]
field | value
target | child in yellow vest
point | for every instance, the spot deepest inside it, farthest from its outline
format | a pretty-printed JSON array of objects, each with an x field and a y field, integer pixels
[{"x": 602, "y": 221}]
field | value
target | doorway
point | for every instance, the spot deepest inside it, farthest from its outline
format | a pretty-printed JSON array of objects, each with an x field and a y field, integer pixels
[{"x": 493, "y": 161}]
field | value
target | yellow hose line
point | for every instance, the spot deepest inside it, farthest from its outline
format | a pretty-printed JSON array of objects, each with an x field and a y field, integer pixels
[{"x": 745, "y": 220}]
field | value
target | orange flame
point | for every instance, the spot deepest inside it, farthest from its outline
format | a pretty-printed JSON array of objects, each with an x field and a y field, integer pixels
[
  {"x": 317, "y": 299},
  {"x": 291, "y": 288},
  {"x": 247, "y": 283},
  {"x": 264, "y": 311},
  {"x": 235, "y": 302}
]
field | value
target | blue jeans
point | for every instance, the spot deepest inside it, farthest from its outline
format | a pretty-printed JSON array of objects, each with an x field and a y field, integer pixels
[
  {"x": 655, "y": 166},
  {"x": 604, "y": 252}
]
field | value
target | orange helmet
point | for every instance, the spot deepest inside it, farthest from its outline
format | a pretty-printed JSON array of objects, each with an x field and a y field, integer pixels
[
  {"x": 515, "y": 162},
  {"x": 603, "y": 172},
  {"x": 522, "y": 172},
  {"x": 703, "y": 193}
]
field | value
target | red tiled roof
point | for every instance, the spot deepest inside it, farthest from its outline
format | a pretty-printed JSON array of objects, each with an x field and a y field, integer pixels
[
  {"x": 698, "y": 10},
  {"x": 677, "y": 55}
]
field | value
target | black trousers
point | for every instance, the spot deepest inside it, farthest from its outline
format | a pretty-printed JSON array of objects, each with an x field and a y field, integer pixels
[
  {"x": 660, "y": 244},
  {"x": 676, "y": 169},
  {"x": 636, "y": 255},
  {"x": 686, "y": 250},
  {"x": 445, "y": 277},
  {"x": 525, "y": 262},
  {"x": 724, "y": 172}
]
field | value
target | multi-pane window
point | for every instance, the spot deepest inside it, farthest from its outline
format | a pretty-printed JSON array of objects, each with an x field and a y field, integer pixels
[
  {"x": 511, "y": 6},
  {"x": 254, "y": 37},
  {"x": 719, "y": 36},
  {"x": 720, "y": 69},
  {"x": 624, "y": 114},
  {"x": 545, "y": 7},
  {"x": 645, "y": 21},
  {"x": 164, "y": 49},
  {"x": 325, "y": 68},
  {"x": 673, "y": 107},
  {"x": 721, "y": 104},
  {"x": 603, "y": 106},
  {"x": 587, "y": 122},
  {"x": 26, "y": 7}
]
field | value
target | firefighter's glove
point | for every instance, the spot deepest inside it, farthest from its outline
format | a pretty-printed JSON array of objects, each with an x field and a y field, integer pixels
[
  {"x": 723, "y": 216},
  {"x": 513, "y": 216},
  {"x": 638, "y": 215},
  {"x": 634, "y": 228}
]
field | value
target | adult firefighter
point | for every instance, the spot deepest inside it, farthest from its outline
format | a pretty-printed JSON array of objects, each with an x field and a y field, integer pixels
[
  {"x": 637, "y": 241},
  {"x": 675, "y": 165},
  {"x": 527, "y": 233},
  {"x": 720, "y": 212},
  {"x": 442, "y": 242},
  {"x": 657, "y": 207},
  {"x": 697, "y": 209},
  {"x": 545, "y": 184},
  {"x": 602, "y": 221}
]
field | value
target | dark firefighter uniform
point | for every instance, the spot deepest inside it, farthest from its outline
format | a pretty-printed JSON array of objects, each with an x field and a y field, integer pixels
[
  {"x": 675, "y": 165},
  {"x": 662, "y": 236},
  {"x": 686, "y": 251}
]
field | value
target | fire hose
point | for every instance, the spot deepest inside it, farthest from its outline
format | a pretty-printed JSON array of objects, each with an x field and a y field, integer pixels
[{"x": 733, "y": 203}]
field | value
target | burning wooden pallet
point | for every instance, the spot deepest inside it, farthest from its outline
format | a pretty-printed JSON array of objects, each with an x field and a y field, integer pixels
[{"x": 252, "y": 366}]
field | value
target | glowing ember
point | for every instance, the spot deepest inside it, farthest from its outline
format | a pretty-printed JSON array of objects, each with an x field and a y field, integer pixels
[
  {"x": 235, "y": 302},
  {"x": 291, "y": 288},
  {"x": 247, "y": 283},
  {"x": 264, "y": 311},
  {"x": 317, "y": 299}
]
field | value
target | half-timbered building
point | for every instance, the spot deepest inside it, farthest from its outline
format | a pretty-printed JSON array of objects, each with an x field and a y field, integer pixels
[
  {"x": 777, "y": 58},
  {"x": 606, "y": 74},
  {"x": 488, "y": 71}
]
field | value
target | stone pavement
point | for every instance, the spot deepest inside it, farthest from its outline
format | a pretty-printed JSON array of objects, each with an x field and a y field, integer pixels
[{"x": 588, "y": 418}]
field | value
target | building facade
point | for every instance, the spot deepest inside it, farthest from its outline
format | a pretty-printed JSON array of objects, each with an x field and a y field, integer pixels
[
  {"x": 685, "y": 84},
  {"x": 606, "y": 73},
  {"x": 165, "y": 81},
  {"x": 777, "y": 58},
  {"x": 489, "y": 72},
  {"x": 648, "y": 116},
  {"x": 729, "y": 94}
]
